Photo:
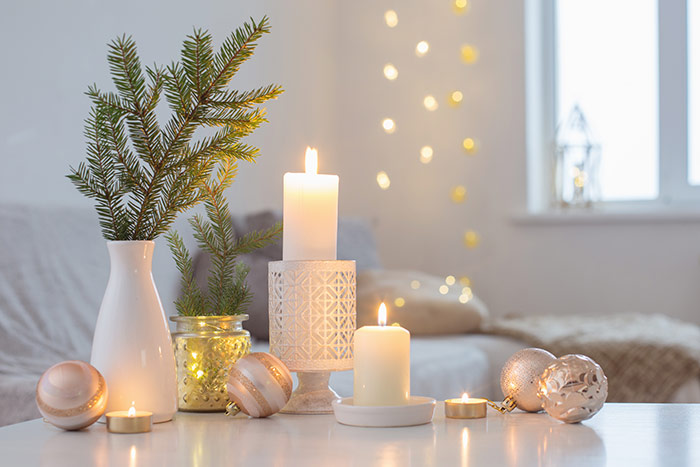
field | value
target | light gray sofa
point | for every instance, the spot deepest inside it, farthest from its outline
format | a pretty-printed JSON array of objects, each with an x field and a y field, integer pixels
[
  {"x": 53, "y": 271},
  {"x": 54, "y": 268}
]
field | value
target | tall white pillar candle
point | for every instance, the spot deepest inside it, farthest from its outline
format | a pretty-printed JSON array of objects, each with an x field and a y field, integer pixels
[
  {"x": 382, "y": 364},
  {"x": 310, "y": 213}
]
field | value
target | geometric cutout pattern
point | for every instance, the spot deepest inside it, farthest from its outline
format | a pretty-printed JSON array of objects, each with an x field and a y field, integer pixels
[{"x": 312, "y": 314}]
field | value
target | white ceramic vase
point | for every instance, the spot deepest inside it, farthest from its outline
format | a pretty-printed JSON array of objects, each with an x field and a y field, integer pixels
[{"x": 131, "y": 346}]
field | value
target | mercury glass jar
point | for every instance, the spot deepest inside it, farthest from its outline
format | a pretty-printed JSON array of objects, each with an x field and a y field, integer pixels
[{"x": 205, "y": 348}]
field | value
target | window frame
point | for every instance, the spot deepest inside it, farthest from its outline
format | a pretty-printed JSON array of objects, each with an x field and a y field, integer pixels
[{"x": 675, "y": 190}]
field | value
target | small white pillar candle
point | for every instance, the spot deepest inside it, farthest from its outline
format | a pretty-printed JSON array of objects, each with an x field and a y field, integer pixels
[
  {"x": 382, "y": 364},
  {"x": 310, "y": 213}
]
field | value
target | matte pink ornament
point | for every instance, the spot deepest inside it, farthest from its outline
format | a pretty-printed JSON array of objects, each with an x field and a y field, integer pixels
[
  {"x": 71, "y": 395},
  {"x": 259, "y": 385}
]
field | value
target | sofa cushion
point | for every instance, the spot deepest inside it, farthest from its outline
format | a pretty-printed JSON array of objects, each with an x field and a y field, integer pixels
[{"x": 422, "y": 310}]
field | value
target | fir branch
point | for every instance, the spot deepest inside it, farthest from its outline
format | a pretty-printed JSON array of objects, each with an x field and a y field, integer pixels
[
  {"x": 191, "y": 300},
  {"x": 142, "y": 176}
]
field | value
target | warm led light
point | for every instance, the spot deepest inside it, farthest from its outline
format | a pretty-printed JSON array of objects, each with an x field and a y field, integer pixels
[
  {"x": 390, "y": 72},
  {"x": 388, "y": 125},
  {"x": 455, "y": 98},
  {"x": 426, "y": 154},
  {"x": 311, "y": 160},
  {"x": 465, "y": 397},
  {"x": 391, "y": 18},
  {"x": 469, "y": 53},
  {"x": 450, "y": 280},
  {"x": 458, "y": 194},
  {"x": 422, "y": 48},
  {"x": 470, "y": 145},
  {"x": 415, "y": 285},
  {"x": 465, "y": 281},
  {"x": 199, "y": 373},
  {"x": 383, "y": 180},
  {"x": 444, "y": 289},
  {"x": 381, "y": 315},
  {"x": 399, "y": 302},
  {"x": 131, "y": 412},
  {"x": 430, "y": 103},
  {"x": 460, "y": 6},
  {"x": 464, "y": 298},
  {"x": 580, "y": 180},
  {"x": 467, "y": 291},
  {"x": 194, "y": 354},
  {"x": 471, "y": 239}
]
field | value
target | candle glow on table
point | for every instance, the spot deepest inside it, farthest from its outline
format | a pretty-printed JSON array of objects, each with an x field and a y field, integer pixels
[
  {"x": 129, "y": 421},
  {"x": 310, "y": 213},
  {"x": 465, "y": 407},
  {"x": 382, "y": 364}
]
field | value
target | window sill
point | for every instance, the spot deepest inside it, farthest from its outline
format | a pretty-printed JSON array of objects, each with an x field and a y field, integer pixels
[{"x": 603, "y": 216}]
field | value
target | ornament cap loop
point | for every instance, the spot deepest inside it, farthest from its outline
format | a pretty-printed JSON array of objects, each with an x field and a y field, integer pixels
[{"x": 232, "y": 409}]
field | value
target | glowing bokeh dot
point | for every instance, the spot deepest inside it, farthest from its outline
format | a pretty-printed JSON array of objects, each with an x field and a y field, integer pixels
[
  {"x": 458, "y": 194},
  {"x": 450, "y": 280},
  {"x": 470, "y": 145},
  {"x": 430, "y": 103},
  {"x": 383, "y": 180},
  {"x": 390, "y": 72},
  {"x": 467, "y": 291},
  {"x": 469, "y": 53},
  {"x": 426, "y": 154},
  {"x": 391, "y": 18},
  {"x": 460, "y": 6},
  {"x": 422, "y": 48},
  {"x": 465, "y": 281},
  {"x": 399, "y": 302},
  {"x": 463, "y": 298},
  {"x": 388, "y": 125},
  {"x": 455, "y": 98},
  {"x": 415, "y": 284},
  {"x": 471, "y": 239},
  {"x": 444, "y": 289}
]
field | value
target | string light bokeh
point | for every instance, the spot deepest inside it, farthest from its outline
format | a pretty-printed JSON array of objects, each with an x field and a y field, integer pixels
[{"x": 468, "y": 54}]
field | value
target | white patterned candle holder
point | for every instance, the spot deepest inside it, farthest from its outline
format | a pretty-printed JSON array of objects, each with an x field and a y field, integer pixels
[{"x": 312, "y": 322}]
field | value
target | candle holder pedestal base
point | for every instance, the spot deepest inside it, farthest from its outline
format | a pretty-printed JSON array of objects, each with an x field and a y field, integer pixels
[{"x": 312, "y": 396}]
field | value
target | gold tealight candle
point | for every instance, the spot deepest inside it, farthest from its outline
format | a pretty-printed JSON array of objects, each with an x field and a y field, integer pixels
[
  {"x": 465, "y": 407},
  {"x": 129, "y": 421}
]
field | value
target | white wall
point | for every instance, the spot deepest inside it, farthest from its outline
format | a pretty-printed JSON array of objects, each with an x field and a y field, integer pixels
[
  {"x": 329, "y": 56},
  {"x": 53, "y": 50}
]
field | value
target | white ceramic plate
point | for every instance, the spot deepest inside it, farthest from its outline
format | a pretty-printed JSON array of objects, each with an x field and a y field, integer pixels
[{"x": 418, "y": 411}]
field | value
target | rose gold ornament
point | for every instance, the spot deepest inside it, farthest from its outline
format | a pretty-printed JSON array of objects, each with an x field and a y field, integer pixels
[
  {"x": 520, "y": 378},
  {"x": 71, "y": 395},
  {"x": 573, "y": 388},
  {"x": 259, "y": 385}
]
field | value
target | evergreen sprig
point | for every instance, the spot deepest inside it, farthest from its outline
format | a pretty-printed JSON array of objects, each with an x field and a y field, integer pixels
[
  {"x": 228, "y": 293},
  {"x": 142, "y": 176}
]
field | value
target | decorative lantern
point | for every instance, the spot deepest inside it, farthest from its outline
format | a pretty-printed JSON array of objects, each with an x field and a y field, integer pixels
[{"x": 576, "y": 161}]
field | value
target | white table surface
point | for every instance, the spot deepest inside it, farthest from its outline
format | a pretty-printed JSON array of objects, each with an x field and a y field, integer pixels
[{"x": 621, "y": 434}]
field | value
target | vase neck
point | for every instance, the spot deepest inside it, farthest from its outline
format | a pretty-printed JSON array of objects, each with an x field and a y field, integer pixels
[{"x": 134, "y": 256}]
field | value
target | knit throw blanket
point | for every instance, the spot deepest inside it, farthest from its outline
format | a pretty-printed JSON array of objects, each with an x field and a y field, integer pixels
[{"x": 645, "y": 357}]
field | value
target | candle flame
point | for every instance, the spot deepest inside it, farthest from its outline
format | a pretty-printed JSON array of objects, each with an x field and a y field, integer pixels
[
  {"x": 131, "y": 412},
  {"x": 381, "y": 315},
  {"x": 311, "y": 160},
  {"x": 465, "y": 397}
]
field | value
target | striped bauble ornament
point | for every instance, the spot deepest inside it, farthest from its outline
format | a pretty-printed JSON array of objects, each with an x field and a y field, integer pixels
[{"x": 258, "y": 385}]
